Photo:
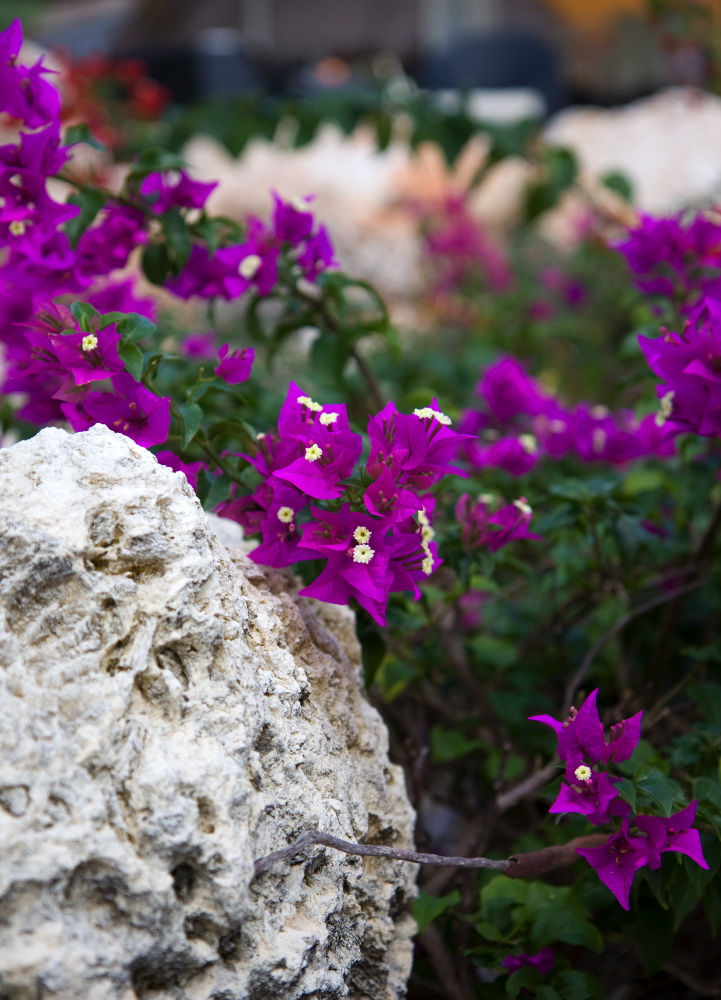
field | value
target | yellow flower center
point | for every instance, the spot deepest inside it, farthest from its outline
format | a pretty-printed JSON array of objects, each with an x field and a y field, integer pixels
[
  {"x": 313, "y": 452},
  {"x": 285, "y": 514},
  {"x": 583, "y": 773},
  {"x": 17, "y": 227},
  {"x": 363, "y": 553},
  {"x": 362, "y": 534}
]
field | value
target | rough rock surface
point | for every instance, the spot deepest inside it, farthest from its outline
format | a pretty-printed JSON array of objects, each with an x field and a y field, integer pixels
[{"x": 166, "y": 717}]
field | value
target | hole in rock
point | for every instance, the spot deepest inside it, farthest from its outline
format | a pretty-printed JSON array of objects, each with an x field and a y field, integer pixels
[{"x": 183, "y": 876}]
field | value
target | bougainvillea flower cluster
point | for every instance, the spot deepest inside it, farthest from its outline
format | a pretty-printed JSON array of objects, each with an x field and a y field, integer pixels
[
  {"x": 379, "y": 540},
  {"x": 518, "y": 423},
  {"x": 587, "y": 790}
]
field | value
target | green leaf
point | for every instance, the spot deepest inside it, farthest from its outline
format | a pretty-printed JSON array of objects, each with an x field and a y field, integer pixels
[
  {"x": 522, "y": 979},
  {"x": 81, "y": 133},
  {"x": 427, "y": 908},
  {"x": 212, "y": 490},
  {"x": 618, "y": 182},
  {"x": 576, "y": 985},
  {"x": 557, "y": 923},
  {"x": 177, "y": 238},
  {"x": 546, "y": 993},
  {"x": 489, "y": 932},
  {"x": 660, "y": 791},
  {"x": 154, "y": 159},
  {"x": 90, "y": 202},
  {"x": 156, "y": 263},
  {"x": 191, "y": 416},
  {"x": 132, "y": 356},
  {"x": 450, "y": 744},
  {"x": 84, "y": 313},
  {"x": 653, "y": 934},
  {"x": 134, "y": 327},
  {"x": 627, "y": 792},
  {"x": 393, "y": 677}
]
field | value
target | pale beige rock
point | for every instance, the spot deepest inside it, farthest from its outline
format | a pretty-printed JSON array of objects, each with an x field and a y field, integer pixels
[
  {"x": 668, "y": 145},
  {"x": 168, "y": 715}
]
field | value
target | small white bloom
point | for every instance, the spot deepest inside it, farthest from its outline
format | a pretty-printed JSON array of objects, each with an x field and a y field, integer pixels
[
  {"x": 528, "y": 443},
  {"x": 313, "y": 452},
  {"x": 427, "y": 565},
  {"x": 442, "y": 418},
  {"x": 89, "y": 342},
  {"x": 17, "y": 227},
  {"x": 249, "y": 266},
  {"x": 524, "y": 507},
  {"x": 328, "y": 418},
  {"x": 286, "y": 514},
  {"x": 362, "y": 534},
  {"x": 583, "y": 773},
  {"x": 309, "y": 403},
  {"x": 666, "y": 408},
  {"x": 260, "y": 436},
  {"x": 486, "y": 498},
  {"x": 427, "y": 533},
  {"x": 363, "y": 553},
  {"x": 425, "y": 413},
  {"x": 599, "y": 439},
  {"x": 299, "y": 204}
]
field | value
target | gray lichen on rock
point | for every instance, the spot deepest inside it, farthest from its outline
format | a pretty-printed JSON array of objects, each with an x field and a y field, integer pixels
[{"x": 168, "y": 714}]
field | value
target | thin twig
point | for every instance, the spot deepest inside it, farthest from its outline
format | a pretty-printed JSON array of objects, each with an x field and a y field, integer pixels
[
  {"x": 527, "y": 787},
  {"x": 619, "y": 626},
  {"x": 444, "y": 964},
  {"x": 519, "y": 866}
]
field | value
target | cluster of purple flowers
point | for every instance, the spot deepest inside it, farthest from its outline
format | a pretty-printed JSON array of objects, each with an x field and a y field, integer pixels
[
  {"x": 519, "y": 423},
  {"x": 675, "y": 260},
  {"x": 232, "y": 270},
  {"x": 590, "y": 791},
  {"x": 378, "y": 537},
  {"x": 682, "y": 263}
]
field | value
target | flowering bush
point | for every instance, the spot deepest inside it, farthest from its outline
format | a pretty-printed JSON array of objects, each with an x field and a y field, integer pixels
[{"x": 579, "y": 547}]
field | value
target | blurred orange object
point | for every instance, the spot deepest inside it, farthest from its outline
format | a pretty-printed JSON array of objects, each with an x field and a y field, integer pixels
[{"x": 593, "y": 15}]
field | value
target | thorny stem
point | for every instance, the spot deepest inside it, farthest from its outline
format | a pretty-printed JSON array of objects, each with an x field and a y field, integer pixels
[{"x": 520, "y": 866}]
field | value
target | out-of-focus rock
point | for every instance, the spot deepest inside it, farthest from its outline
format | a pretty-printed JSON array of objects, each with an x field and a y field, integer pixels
[
  {"x": 168, "y": 714},
  {"x": 668, "y": 145}
]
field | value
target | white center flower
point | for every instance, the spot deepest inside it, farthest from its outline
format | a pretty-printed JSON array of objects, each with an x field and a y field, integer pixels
[
  {"x": 599, "y": 438},
  {"x": 427, "y": 533},
  {"x": 260, "y": 436},
  {"x": 249, "y": 266},
  {"x": 17, "y": 227},
  {"x": 583, "y": 773},
  {"x": 309, "y": 403},
  {"x": 299, "y": 204},
  {"x": 428, "y": 413},
  {"x": 286, "y": 514},
  {"x": 89, "y": 342},
  {"x": 427, "y": 565},
  {"x": 363, "y": 553},
  {"x": 328, "y": 418},
  {"x": 313, "y": 452},
  {"x": 665, "y": 409},
  {"x": 524, "y": 507},
  {"x": 528, "y": 443},
  {"x": 362, "y": 534}
]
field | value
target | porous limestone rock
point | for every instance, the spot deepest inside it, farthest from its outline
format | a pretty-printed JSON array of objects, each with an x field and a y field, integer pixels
[{"x": 167, "y": 715}]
